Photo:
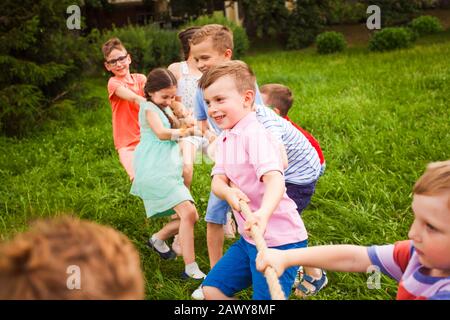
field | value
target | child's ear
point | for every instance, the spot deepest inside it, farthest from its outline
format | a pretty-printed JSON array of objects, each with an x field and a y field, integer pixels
[
  {"x": 249, "y": 98},
  {"x": 228, "y": 54},
  {"x": 277, "y": 111}
]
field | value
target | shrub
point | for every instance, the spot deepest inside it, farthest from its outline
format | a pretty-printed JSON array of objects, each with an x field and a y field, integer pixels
[
  {"x": 391, "y": 39},
  {"x": 330, "y": 42},
  {"x": 240, "y": 37},
  {"x": 426, "y": 25},
  {"x": 149, "y": 46}
]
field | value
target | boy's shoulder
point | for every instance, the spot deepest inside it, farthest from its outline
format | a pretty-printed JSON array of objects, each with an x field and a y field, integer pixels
[{"x": 135, "y": 77}]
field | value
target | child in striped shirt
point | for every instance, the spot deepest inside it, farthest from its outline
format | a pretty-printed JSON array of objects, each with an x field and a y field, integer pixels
[
  {"x": 421, "y": 265},
  {"x": 280, "y": 99}
]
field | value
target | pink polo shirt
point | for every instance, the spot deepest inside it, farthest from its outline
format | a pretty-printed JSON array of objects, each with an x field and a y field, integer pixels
[{"x": 244, "y": 154}]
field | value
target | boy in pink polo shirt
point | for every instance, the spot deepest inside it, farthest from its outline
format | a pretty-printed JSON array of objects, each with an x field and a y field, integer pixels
[
  {"x": 249, "y": 159},
  {"x": 126, "y": 91}
]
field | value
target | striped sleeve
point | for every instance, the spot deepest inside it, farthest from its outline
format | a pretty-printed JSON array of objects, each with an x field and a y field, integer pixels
[{"x": 392, "y": 259}]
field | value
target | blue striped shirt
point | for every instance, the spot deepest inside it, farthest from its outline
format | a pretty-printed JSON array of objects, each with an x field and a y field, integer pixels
[{"x": 303, "y": 161}]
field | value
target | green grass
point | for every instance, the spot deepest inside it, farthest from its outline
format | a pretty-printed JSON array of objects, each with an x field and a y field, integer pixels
[{"x": 380, "y": 118}]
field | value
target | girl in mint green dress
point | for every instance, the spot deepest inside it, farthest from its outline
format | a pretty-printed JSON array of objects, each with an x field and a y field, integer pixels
[{"x": 158, "y": 171}]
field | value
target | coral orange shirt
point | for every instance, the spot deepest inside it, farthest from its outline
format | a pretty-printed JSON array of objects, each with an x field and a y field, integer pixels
[{"x": 125, "y": 113}]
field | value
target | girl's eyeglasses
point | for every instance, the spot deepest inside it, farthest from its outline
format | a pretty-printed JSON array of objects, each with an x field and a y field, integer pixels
[{"x": 113, "y": 62}]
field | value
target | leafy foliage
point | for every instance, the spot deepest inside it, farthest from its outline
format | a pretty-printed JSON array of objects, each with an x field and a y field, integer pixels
[
  {"x": 149, "y": 46},
  {"x": 391, "y": 39},
  {"x": 330, "y": 42},
  {"x": 426, "y": 25},
  {"x": 39, "y": 57}
]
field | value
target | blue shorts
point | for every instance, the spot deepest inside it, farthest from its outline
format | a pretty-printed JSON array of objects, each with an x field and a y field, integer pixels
[
  {"x": 217, "y": 209},
  {"x": 301, "y": 194},
  {"x": 236, "y": 271}
]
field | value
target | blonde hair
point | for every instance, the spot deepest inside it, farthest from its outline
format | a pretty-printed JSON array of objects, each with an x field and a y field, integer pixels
[
  {"x": 435, "y": 180},
  {"x": 110, "y": 45},
  {"x": 221, "y": 36},
  {"x": 34, "y": 265},
  {"x": 243, "y": 76},
  {"x": 278, "y": 96}
]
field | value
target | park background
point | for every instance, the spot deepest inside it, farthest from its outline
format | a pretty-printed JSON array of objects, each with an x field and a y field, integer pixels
[{"x": 378, "y": 104}]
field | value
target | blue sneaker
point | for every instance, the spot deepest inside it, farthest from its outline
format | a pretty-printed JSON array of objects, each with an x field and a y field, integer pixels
[{"x": 168, "y": 255}]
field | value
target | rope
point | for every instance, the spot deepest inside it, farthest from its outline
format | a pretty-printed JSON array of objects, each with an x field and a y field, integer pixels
[{"x": 271, "y": 276}]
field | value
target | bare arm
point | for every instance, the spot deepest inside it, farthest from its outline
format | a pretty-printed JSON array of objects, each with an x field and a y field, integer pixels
[
  {"x": 163, "y": 133},
  {"x": 347, "y": 258},
  {"x": 220, "y": 187},
  {"x": 127, "y": 94},
  {"x": 275, "y": 187}
]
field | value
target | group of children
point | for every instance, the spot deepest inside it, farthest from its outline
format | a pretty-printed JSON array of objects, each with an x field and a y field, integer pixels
[
  {"x": 161, "y": 177},
  {"x": 212, "y": 103}
]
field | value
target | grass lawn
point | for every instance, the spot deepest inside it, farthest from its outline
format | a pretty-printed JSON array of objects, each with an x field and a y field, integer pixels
[{"x": 380, "y": 118}]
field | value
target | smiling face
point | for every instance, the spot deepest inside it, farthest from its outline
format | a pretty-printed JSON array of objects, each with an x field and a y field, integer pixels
[
  {"x": 118, "y": 62},
  {"x": 226, "y": 105},
  {"x": 430, "y": 232},
  {"x": 206, "y": 56},
  {"x": 163, "y": 97}
]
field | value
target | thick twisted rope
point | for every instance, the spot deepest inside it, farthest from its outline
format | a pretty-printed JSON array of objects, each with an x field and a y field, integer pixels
[{"x": 271, "y": 276}]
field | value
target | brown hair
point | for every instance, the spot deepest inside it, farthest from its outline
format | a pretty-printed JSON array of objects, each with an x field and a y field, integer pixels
[
  {"x": 278, "y": 96},
  {"x": 158, "y": 79},
  {"x": 110, "y": 45},
  {"x": 221, "y": 36},
  {"x": 185, "y": 36},
  {"x": 36, "y": 264},
  {"x": 243, "y": 76},
  {"x": 435, "y": 180}
]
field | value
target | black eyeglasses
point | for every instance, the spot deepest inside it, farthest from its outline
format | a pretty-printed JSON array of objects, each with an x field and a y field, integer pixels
[{"x": 113, "y": 62}]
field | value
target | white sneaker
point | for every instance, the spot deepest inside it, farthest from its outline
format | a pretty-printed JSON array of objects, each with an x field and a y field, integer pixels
[{"x": 198, "y": 294}]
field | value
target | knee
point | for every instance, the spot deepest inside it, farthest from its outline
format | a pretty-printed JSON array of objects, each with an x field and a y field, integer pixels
[
  {"x": 190, "y": 215},
  {"x": 211, "y": 293}
]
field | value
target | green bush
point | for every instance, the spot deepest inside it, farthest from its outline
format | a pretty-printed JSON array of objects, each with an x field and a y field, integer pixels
[
  {"x": 240, "y": 37},
  {"x": 426, "y": 25},
  {"x": 330, "y": 42},
  {"x": 343, "y": 11},
  {"x": 265, "y": 18},
  {"x": 149, "y": 46},
  {"x": 304, "y": 24},
  {"x": 391, "y": 39}
]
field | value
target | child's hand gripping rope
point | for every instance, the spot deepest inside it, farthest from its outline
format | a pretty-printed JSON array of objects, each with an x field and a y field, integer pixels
[{"x": 271, "y": 276}]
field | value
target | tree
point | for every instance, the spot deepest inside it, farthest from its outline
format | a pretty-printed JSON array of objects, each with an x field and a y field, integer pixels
[{"x": 39, "y": 58}]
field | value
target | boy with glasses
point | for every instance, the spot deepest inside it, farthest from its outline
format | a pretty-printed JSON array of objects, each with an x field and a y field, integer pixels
[{"x": 125, "y": 91}]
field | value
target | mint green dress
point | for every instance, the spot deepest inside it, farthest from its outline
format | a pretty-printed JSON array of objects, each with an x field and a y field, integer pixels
[{"x": 158, "y": 169}]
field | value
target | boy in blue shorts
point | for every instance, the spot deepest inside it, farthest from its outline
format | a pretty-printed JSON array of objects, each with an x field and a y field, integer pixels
[
  {"x": 249, "y": 158},
  {"x": 211, "y": 45}
]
